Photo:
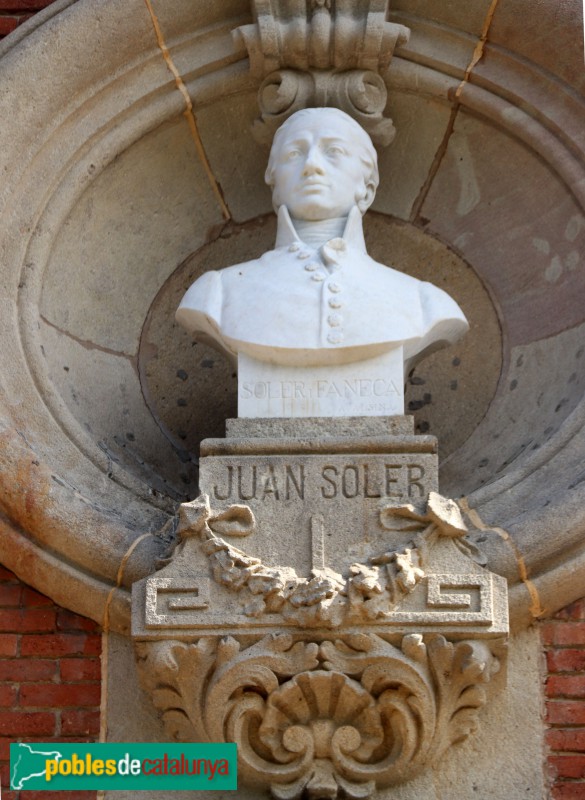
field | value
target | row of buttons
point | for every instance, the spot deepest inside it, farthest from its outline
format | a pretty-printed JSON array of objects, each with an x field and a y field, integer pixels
[{"x": 334, "y": 320}]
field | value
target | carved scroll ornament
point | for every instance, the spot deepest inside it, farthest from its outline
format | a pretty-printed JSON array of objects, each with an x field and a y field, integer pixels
[
  {"x": 325, "y": 719},
  {"x": 314, "y": 53}
]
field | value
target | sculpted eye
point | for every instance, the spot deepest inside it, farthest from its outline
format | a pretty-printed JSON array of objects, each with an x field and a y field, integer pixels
[
  {"x": 336, "y": 150},
  {"x": 292, "y": 154}
]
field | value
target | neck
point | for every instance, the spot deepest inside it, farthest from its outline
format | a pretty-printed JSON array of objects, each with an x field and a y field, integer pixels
[{"x": 316, "y": 234}]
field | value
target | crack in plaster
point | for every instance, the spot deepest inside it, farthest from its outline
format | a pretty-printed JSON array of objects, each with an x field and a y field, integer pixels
[
  {"x": 536, "y": 609},
  {"x": 442, "y": 149},
  {"x": 87, "y": 344},
  {"x": 188, "y": 113}
]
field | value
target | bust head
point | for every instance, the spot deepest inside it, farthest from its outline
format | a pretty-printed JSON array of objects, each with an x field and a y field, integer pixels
[{"x": 322, "y": 164}]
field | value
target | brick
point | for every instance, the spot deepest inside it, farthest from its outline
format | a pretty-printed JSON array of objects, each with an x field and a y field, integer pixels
[
  {"x": 567, "y": 740},
  {"x": 563, "y": 633},
  {"x": 74, "y": 670},
  {"x": 68, "y": 621},
  {"x": 5, "y": 748},
  {"x": 567, "y": 766},
  {"x": 8, "y": 644},
  {"x": 28, "y": 620},
  {"x": 8, "y": 24},
  {"x": 24, "y": 670},
  {"x": 574, "y": 611},
  {"x": 80, "y": 722},
  {"x": 5, "y": 742},
  {"x": 566, "y": 660},
  {"x": 30, "y": 597},
  {"x": 21, "y": 723},
  {"x": 6, "y": 574},
  {"x": 38, "y": 620},
  {"x": 60, "y": 644},
  {"x": 56, "y": 695},
  {"x": 565, "y": 686},
  {"x": 60, "y": 795},
  {"x": 568, "y": 791},
  {"x": 24, "y": 5},
  {"x": 11, "y": 620},
  {"x": 565, "y": 712},
  {"x": 8, "y": 695},
  {"x": 10, "y": 594}
]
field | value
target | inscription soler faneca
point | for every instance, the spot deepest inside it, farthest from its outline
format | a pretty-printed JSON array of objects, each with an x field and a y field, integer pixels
[
  {"x": 308, "y": 390},
  {"x": 285, "y": 481}
]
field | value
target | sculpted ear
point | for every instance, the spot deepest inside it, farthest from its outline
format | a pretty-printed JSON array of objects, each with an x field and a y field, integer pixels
[{"x": 367, "y": 197}]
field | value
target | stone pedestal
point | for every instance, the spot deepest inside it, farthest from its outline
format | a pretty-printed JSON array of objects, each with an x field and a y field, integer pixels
[{"x": 323, "y": 608}]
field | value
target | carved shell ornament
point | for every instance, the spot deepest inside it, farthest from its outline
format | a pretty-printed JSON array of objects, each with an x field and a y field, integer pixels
[{"x": 322, "y": 720}]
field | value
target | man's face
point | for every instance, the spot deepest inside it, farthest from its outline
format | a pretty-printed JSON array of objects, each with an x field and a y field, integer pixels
[{"x": 318, "y": 173}]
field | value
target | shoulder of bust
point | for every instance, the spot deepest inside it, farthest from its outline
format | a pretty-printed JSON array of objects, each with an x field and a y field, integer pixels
[{"x": 202, "y": 299}]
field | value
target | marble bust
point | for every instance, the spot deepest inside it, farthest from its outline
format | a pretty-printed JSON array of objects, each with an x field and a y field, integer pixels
[{"x": 317, "y": 300}]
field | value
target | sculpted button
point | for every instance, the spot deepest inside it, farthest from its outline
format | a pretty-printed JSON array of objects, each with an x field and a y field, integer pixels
[
  {"x": 334, "y": 287},
  {"x": 335, "y": 338},
  {"x": 303, "y": 255},
  {"x": 337, "y": 244},
  {"x": 318, "y": 276},
  {"x": 334, "y": 320},
  {"x": 294, "y": 247},
  {"x": 334, "y": 302},
  {"x": 311, "y": 267}
]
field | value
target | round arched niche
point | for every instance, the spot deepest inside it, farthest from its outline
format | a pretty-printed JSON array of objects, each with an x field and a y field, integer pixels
[{"x": 108, "y": 215}]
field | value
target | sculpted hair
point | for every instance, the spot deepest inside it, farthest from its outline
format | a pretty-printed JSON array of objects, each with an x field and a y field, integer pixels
[{"x": 367, "y": 152}]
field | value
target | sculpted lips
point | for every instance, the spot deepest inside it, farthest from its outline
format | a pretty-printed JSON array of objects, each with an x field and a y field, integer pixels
[{"x": 314, "y": 184}]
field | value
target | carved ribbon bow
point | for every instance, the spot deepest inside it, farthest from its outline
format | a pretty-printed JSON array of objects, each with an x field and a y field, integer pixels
[
  {"x": 197, "y": 517},
  {"x": 441, "y": 517}
]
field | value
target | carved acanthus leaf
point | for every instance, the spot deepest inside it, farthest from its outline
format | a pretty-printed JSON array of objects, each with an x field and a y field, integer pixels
[
  {"x": 321, "y": 720},
  {"x": 320, "y": 34}
]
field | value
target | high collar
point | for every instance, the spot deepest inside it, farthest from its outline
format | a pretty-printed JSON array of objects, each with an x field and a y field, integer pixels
[{"x": 353, "y": 233}]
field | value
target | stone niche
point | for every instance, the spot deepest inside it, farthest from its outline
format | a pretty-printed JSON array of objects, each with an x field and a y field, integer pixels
[{"x": 107, "y": 213}]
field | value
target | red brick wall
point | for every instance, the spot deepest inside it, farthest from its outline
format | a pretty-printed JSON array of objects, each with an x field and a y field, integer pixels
[
  {"x": 50, "y": 677},
  {"x": 13, "y": 12},
  {"x": 563, "y": 640}
]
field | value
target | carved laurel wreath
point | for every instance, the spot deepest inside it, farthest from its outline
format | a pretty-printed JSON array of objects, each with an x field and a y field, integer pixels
[{"x": 369, "y": 591}]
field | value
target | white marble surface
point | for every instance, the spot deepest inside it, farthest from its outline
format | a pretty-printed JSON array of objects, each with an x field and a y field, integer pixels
[
  {"x": 317, "y": 300},
  {"x": 370, "y": 388}
]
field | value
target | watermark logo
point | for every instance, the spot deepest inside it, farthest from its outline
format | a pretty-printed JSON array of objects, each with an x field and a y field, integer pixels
[{"x": 87, "y": 767}]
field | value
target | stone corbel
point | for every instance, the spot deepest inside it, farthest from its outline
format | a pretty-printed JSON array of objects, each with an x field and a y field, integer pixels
[
  {"x": 322, "y": 719},
  {"x": 311, "y": 53}
]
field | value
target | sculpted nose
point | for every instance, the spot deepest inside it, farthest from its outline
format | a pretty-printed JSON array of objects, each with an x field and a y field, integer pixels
[{"x": 314, "y": 162}]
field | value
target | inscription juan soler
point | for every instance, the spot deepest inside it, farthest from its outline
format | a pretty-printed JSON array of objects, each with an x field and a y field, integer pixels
[{"x": 249, "y": 481}]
